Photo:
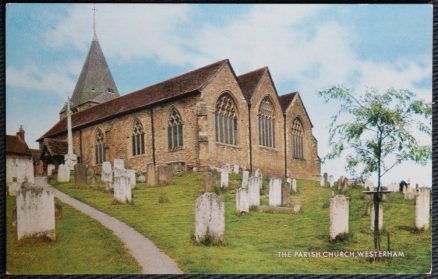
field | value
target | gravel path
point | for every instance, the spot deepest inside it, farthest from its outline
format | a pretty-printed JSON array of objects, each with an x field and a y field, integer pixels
[{"x": 148, "y": 256}]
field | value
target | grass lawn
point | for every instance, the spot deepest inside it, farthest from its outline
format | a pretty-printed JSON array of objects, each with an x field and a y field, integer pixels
[
  {"x": 83, "y": 246},
  {"x": 254, "y": 240}
]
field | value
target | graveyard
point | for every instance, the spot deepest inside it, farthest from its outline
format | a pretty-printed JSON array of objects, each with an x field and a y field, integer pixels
[{"x": 252, "y": 241}]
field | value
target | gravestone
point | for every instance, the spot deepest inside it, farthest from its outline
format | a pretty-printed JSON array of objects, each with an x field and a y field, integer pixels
[
  {"x": 286, "y": 200},
  {"x": 275, "y": 192},
  {"x": 331, "y": 180},
  {"x": 210, "y": 218},
  {"x": 259, "y": 175},
  {"x": 322, "y": 182},
  {"x": 224, "y": 177},
  {"x": 132, "y": 180},
  {"x": 165, "y": 174},
  {"x": 13, "y": 188},
  {"x": 294, "y": 185},
  {"x": 325, "y": 175},
  {"x": 254, "y": 191},
  {"x": 107, "y": 174},
  {"x": 122, "y": 189},
  {"x": 343, "y": 184},
  {"x": 50, "y": 169},
  {"x": 369, "y": 185},
  {"x": 91, "y": 176},
  {"x": 141, "y": 178},
  {"x": 236, "y": 169},
  {"x": 422, "y": 209},
  {"x": 119, "y": 168},
  {"x": 409, "y": 193},
  {"x": 63, "y": 173},
  {"x": 242, "y": 200},
  {"x": 245, "y": 177},
  {"x": 210, "y": 180},
  {"x": 151, "y": 177},
  {"x": 380, "y": 216},
  {"x": 35, "y": 213},
  {"x": 339, "y": 212},
  {"x": 80, "y": 174}
]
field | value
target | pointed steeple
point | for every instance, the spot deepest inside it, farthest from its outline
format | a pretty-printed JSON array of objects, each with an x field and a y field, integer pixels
[{"x": 95, "y": 84}]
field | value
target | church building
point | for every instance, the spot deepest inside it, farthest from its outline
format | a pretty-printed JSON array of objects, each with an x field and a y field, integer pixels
[{"x": 206, "y": 117}]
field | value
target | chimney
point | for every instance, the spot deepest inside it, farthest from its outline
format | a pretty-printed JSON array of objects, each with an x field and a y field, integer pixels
[{"x": 20, "y": 133}]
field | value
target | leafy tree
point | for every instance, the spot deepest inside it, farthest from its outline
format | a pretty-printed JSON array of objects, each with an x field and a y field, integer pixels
[{"x": 376, "y": 132}]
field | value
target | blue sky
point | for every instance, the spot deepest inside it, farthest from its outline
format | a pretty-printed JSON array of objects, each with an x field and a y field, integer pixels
[{"x": 307, "y": 48}]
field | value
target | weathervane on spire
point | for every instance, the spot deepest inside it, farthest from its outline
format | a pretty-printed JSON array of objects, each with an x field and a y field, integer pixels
[{"x": 94, "y": 20}]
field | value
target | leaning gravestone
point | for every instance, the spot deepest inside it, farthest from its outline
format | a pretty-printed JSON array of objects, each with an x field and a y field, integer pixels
[
  {"x": 165, "y": 174},
  {"x": 35, "y": 213},
  {"x": 224, "y": 177},
  {"x": 119, "y": 168},
  {"x": 63, "y": 173},
  {"x": 209, "y": 218},
  {"x": 131, "y": 175},
  {"x": 245, "y": 177},
  {"x": 242, "y": 200},
  {"x": 210, "y": 180},
  {"x": 236, "y": 169},
  {"x": 286, "y": 188},
  {"x": 151, "y": 177},
  {"x": 80, "y": 174},
  {"x": 422, "y": 209},
  {"x": 275, "y": 192},
  {"x": 254, "y": 191},
  {"x": 107, "y": 174},
  {"x": 380, "y": 222},
  {"x": 339, "y": 207},
  {"x": 122, "y": 189},
  {"x": 331, "y": 180}
]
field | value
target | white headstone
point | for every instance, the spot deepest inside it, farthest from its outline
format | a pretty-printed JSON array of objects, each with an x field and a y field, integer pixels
[
  {"x": 275, "y": 192},
  {"x": 369, "y": 185},
  {"x": 294, "y": 185},
  {"x": 13, "y": 188},
  {"x": 131, "y": 176},
  {"x": 210, "y": 218},
  {"x": 259, "y": 174},
  {"x": 339, "y": 212},
  {"x": 122, "y": 189},
  {"x": 245, "y": 176},
  {"x": 409, "y": 193},
  {"x": 63, "y": 173},
  {"x": 107, "y": 172},
  {"x": 380, "y": 216},
  {"x": 236, "y": 169},
  {"x": 50, "y": 169},
  {"x": 35, "y": 213},
  {"x": 331, "y": 180},
  {"x": 254, "y": 191},
  {"x": 322, "y": 182},
  {"x": 119, "y": 168},
  {"x": 242, "y": 200},
  {"x": 422, "y": 209},
  {"x": 224, "y": 177}
]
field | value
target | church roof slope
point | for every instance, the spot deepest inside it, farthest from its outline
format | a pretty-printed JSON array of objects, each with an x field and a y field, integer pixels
[
  {"x": 55, "y": 146},
  {"x": 95, "y": 78},
  {"x": 14, "y": 145},
  {"x": 189, "y": 82},
  {"x": 249, "y": 81},
  {"x": 286, "y": 99}
]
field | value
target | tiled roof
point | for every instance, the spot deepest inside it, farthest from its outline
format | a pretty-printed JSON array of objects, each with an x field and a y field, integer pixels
[
  {"x": 14, "y": 145},
  {"x": 286, "y": 99},
  {"x": 56, "y": 146},
  {"x": 95, "y": 79},
  {"x": 248, "y": 82},
  {"x": 189, "y": 82}
]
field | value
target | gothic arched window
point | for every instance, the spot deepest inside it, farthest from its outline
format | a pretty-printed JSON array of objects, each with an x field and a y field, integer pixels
[
  {"x": 137, "y": 139},
  {"x": 226, "y": 120},
  {"x": 266, "y": 123},
  {"x": 100, "y": 147},
  {"x": 174, "y": 130},
  {"x": 297, "y": 139}
]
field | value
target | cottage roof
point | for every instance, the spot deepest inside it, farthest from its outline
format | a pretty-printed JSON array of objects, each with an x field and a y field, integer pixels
[
  {"x": 190, "y": 82},
  {"x": 95, "y": 82},
  {"x": 248, "y": 82},
  {"x": 15, "y": 145},
  {"x": 55, "y": 146}
]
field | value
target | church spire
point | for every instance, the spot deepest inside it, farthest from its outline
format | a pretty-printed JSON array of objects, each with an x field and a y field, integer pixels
[{"x": 94, "y": 22}]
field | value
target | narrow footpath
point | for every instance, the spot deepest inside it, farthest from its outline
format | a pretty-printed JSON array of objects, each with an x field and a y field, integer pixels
[{"x": 148, "y": 256}]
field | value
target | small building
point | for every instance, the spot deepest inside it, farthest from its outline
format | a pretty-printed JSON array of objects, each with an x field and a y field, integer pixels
[
  {"x": 52, "y": 152},
  {"x": 19, "y": 163}
]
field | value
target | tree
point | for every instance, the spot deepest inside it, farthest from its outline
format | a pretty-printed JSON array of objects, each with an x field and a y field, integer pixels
[{"x": 377, "y": 133}]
